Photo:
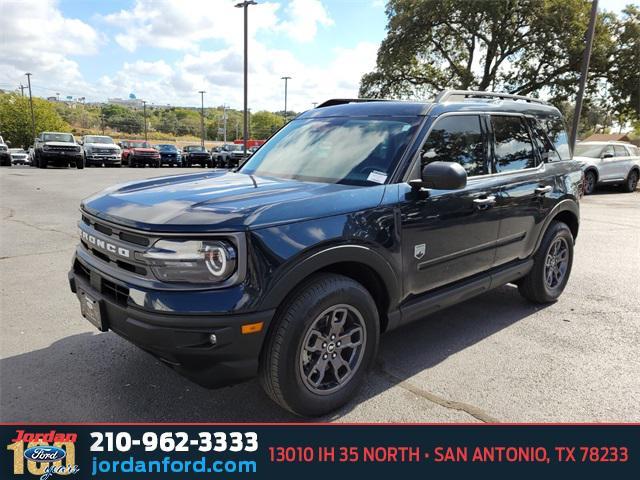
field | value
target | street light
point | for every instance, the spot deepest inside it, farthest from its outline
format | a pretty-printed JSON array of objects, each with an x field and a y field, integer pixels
[
  {"x": 245, "y": 5},
  {"x": 286, "y": 80},
  {"x": 202, "y": 92},
  {"x": 33, "y": 117},
  {"x": 144, "y": 109},
  {"x": 315, "y": 104}
]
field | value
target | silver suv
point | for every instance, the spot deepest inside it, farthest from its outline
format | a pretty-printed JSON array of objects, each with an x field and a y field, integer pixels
[{"x": 613, "y": 163}]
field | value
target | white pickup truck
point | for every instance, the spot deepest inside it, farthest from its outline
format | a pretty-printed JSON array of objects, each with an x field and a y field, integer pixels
[{"x": 613, "y": 163}]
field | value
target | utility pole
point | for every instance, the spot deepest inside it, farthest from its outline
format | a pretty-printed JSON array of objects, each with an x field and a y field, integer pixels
[
  {"x": 21, "y": 87},
  {"x": 245, "y": 5},
  {"x": 584, "y": 72},
  {"x": 224, "y": 122},
  {"x": 202, "y": 92},
  {"x": 33, "y": 117},
  {"x": 315, "y": 104},
  {"x": 286, "y": 80},
  {"x": 144, "y": 108}
]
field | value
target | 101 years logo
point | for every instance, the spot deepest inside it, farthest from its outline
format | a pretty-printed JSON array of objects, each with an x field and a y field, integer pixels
[{"x": 45, "y": 453}]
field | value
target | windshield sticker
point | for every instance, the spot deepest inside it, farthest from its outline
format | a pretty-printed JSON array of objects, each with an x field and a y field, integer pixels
[{"x": 378, "y": 177}]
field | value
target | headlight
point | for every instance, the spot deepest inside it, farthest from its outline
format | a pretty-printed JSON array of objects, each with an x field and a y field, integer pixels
[{"x": 193, "y": 261}]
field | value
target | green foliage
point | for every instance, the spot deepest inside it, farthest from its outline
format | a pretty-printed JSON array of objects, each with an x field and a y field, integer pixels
[
  {"x": 264, "y": 124},
  {"x": 525, "y": 47},
  {"x": 15, "y": 119}
]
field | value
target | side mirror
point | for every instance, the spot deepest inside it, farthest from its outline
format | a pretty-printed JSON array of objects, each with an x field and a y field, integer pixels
[
  {"x": 8, "y": 143},
  {"x": 607, "y": 155},
  {"x": 441, "y": 176},
  {"x": 80, "y": 142}
]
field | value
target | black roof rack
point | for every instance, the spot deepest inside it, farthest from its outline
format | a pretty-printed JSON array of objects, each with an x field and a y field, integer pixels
[
  {"x": 342, "y": 101},
  {"x": 445, "y": 95}
]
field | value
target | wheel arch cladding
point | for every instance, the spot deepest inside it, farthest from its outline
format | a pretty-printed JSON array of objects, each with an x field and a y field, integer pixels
[{"x": 359, "y": 263}]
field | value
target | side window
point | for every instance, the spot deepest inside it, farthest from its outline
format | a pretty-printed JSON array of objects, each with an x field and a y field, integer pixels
[
  {"x": 541, "y": 141},
  {"x": 513, "y": 147},
  {"x": 608, "y": 151},
  {"x": 558, "y": 135},
  {"x": 457, "y": 138},
  {"x": 620, "y": 151},
  {"x": 634, "y": 151}
]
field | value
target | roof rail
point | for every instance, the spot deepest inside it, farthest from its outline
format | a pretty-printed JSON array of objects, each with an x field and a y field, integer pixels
[
  {"x": 445, "y": 95},
  {"x": 341, "y": 101}
]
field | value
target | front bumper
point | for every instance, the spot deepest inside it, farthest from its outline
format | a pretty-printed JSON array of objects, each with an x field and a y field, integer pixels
[
  {"x": 182, "y": 341},
  {"x": 61, "y": 156},
  {"x": 99, "y": 159}
]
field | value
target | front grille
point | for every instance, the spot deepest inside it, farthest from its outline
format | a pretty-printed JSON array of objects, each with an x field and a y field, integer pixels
[
  {"x": 61, "y": 148},
  {"x": 118, "y": 293},
  {"x": 146, "y": 154},
  {"x": 115, "y": 292}
]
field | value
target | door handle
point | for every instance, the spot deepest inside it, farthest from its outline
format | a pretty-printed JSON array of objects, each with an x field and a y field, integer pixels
[
  {"x": 544, "y": 190},
  {"x": 484, "y": 202}
]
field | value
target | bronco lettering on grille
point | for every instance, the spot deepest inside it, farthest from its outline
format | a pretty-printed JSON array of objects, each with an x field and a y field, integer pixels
[{"x": 109, "y": 247}]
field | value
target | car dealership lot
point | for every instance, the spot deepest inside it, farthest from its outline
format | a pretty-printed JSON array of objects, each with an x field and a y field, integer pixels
[{"x": 493, "y": 358}]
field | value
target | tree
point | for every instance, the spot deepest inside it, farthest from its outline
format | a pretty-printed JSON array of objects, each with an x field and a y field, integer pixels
[
  {"x": 264, "y": 124},
  {"x": 624, "y": 71},
  {"x": 15, "y": 119},
  {"x": 518, "y": 46}
]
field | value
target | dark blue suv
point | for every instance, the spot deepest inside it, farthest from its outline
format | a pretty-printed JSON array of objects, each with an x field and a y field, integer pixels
[{"x": 355, "y": 218}]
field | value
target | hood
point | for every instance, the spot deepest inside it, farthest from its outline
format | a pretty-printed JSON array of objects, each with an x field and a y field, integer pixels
[
  {"x": 584, "y": 161},
  {"x": 105, "y": 146},
  {"x": 224, "y": 201},
  {"x": 143, "y": 150},
  {"x": 61, "y": 144}
]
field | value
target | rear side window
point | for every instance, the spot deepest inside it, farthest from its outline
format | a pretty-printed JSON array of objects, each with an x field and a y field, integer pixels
[
  {"x": 541, "y": 142},
  {"x": 634, "y": 150},
  {"x": 620, "y": 151},
  {"x": 457, "y": 138},
  {"x": 558, "y": 135},
  {"x": 513, "y": 147}
]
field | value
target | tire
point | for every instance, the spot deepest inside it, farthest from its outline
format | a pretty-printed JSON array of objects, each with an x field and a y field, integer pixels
[
  {"x": 80, "y": 164},
  {"x": 631, "y": 183},
  {"x": 535, "y": 286},
  {"x": 590, "y": 181},
  {"x": 284, "y": 359},
  {"x": 42, "y": 162}
]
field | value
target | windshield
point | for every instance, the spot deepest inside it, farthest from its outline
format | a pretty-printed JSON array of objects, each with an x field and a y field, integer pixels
[
  {"x": 139, "y": 145},
  {"x": 592, "y": 151},
  {"x": 355, "y": 151},
  {"x": 96, "y": 139},
  {"x": 235, "y": 148},
  {"x": 17, "y": 150},
  {"x": 166, "y": 148},
  {"x": 58, "y": 137},
  {"x": 196, "y": 149}
]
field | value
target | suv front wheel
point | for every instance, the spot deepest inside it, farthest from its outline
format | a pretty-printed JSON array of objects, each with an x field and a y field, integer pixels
[
  {"x": 552, "y": 266},
  {"x": 322, "y": 342}
]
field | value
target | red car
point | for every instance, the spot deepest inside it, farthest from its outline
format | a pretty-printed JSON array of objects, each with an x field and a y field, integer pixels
[{"x": 138, "y": 153}]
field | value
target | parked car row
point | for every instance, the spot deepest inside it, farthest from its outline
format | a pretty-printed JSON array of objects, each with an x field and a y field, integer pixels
[{"x": 62, "y": 149}]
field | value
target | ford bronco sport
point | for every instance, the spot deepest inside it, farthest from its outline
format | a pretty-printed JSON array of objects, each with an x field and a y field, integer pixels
[{"x": 355, "y": 218}]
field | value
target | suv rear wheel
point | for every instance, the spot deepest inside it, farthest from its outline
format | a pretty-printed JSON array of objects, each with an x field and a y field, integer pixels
[
  {"x": 552, "y": 266},
  {"x": 321, "y": 344}
]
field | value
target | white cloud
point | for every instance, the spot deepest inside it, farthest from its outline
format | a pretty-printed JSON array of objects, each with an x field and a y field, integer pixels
[
  {"x": 182, "y": 24},
  {"x": 36, "y": 37},
  {"x": 46, "y": 42},
  {"x": 304, "y": 16}
]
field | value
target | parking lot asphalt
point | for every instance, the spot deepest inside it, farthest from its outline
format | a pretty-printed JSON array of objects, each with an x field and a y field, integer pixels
[{"x": 492, "y": 358}]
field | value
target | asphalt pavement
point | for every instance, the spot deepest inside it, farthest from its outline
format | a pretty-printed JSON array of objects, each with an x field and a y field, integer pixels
[{"x": 492, "y": 358}]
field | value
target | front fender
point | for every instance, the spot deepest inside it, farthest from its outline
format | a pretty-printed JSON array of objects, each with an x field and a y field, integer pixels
[{"x": 318, "y": 260}]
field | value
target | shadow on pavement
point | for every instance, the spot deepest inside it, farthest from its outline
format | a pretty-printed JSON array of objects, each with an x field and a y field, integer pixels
[{"x": 101, "y": 377}]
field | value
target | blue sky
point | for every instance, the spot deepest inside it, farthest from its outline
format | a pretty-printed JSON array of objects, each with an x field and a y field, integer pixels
[
  {"x": 164, "y": 51},
  {"x": 325, "y": 45}
]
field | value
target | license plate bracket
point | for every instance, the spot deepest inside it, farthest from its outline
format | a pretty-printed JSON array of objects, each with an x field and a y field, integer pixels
[{"x": 91, "y": 309}]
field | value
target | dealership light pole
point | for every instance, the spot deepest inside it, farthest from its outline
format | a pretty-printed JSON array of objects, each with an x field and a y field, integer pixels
[
  {"x": 224, "y": 122},
  {"x": 286, "y": 80},
  {"x": 245, "y": 5},
  {"x": 144, "y": 109},
  {"x": 315, "y": 104},
  {"x": 202, "y": 92},
  {"x": 584, "y": 72},
  {"x": 33, "y": 117}
]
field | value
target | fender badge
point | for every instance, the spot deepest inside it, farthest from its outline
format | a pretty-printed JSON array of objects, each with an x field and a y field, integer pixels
[{"x": 419, "y": 251}]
